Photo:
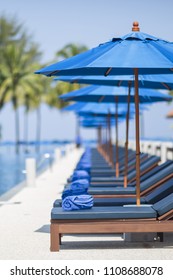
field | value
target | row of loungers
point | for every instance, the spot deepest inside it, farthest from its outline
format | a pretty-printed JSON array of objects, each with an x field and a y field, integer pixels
[{"x": 114, "y": 209}]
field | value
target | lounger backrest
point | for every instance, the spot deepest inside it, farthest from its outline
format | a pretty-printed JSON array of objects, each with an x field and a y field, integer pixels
[
  {"x": 164, "y": 205},
  {"x": 155, "y": 170},
  {"x": 145, "y": 165},
  {"x": 156, "y": 177},
  {"x": 160, "y": 192},
  {"x": 133, "y": 161}
]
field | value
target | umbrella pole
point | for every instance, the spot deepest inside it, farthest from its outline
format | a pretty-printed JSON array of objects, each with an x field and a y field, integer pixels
[
  {"x": 98, "y": 137},
  {"x": 127, "y": 137},
  {"x": 116, "y": 128},
  {"x": 109, "y": 138},
  {"x": 106, "y": 146},
  {"x": 137, "y": 138}
]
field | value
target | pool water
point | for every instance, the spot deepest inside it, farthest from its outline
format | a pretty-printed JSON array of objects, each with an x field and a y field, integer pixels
[{"x": 12, "y": 166}]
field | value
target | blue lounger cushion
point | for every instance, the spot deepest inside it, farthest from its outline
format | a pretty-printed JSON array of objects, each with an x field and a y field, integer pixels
[
  {"x": 112, "y": 201},
  {"x": 77, "y": 202},
  {"x": 111, "y": 190},
  {"x": 109, "y": 184},
  {"x": 107, "y": 201},
  {"x": 160, "y": 192},
  {"x": 132, "y": 190},
  {"x": 106, "y": 179},
  {"x": 118, "y": 212},
  {"x": 157, "y": 194},
  {"x": 164, "y": 205}
]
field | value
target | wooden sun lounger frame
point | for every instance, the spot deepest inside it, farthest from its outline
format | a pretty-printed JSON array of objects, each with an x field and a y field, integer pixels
[
  {"x": 59, "y": 227},
  {"x": 143, "y": 193},
  {"x": 155, "y": 164}
]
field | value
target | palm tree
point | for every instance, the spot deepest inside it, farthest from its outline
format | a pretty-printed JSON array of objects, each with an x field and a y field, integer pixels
[
  {"x": 43, "y": 89},
  {"x": 62, "y": 87},
  {"x": 70, "y": 50},
  {"x": 17, "y": 62},
  {"x": 18, "y": 54},
  {"x": 9, "y": 34}
]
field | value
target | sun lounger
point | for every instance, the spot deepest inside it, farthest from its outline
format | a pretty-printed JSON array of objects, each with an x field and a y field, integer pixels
[
  {"x": 145, "y": 167},
  {"x": 146, "y": 186},
  {"x": 131, "y": 165},
  {"x": 155, "y": 218},
  {"x": 154, "y": 196}
]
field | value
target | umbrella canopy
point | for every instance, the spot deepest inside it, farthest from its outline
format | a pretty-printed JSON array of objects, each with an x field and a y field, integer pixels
[
  {"x": 133, "y": 54},
  {"x": 98, "y": 121},
  {"x": 120, "y": 56},
  {"x": 96, "y": 93},
  {"x": 160, "y": 81},
  {"x": 101, "y": 109}
]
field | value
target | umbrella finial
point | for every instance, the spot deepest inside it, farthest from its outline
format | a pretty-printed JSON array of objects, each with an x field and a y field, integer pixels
[{"x": 135, "y": 26}]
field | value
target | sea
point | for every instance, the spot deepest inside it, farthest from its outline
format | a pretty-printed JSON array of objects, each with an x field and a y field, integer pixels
[{"x": 12, "y": 165}]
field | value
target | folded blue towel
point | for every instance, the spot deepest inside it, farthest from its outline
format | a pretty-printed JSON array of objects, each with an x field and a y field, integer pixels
[
  {"x": 79, "y": 184},
  {"x": 77, "y": 202},
  {"x": 69, "y": 192},
  {"x": 84, "y": 167},
  {"x": 80, "y": 174}
]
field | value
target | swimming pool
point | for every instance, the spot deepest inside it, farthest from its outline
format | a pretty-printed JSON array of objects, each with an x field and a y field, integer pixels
[{"x": 12, "y": 166}]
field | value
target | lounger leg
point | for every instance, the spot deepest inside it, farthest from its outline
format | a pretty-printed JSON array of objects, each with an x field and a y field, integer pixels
[
  {"x": 60, "y": 240},
  {"x": 160, "y": 235},
  {"x": 54, "y": 238}
]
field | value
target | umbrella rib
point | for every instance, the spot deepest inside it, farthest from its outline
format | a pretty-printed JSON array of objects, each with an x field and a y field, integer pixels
[
  {"x": 108, "y": 71},
  {"x": 53, "y": 73},
  {"x": 101, "y": 98},
  {"x": 119, "y": 83},
  {"x": 166, "y": 86}
]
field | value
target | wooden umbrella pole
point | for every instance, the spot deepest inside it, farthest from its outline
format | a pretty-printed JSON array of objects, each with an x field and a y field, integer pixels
[
  {"x": 116, "y": 128},
  {"x": 109, "y": 138},
  {"x": 98, "y": 138},
  {"x": 105, "y": 138},
  {"x": 137, "y": 138},
  {"x": 127, "y": 136}
]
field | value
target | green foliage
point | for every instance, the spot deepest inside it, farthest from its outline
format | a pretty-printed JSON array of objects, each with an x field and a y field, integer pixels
[
  {"x": 70, "y": 50},
  {"x": 19, "y": 57},
  {"x": 63, "y": 87}
]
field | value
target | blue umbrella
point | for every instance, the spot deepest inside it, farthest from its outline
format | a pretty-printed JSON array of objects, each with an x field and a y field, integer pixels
[
  {"x": 133, "y": 54},
  {"x": 97, "y": 93},
  {"x": 120, "y": 56},
  {"x": 93, "y": 110},
  {"x": 145, "y": 81},
  {"x": 97, "y": 109}
]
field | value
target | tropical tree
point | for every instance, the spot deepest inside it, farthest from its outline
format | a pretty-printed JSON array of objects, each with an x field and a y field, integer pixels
[
  {"x": 70, "y": 50},
  {"x": 9, "y": 34},
  {"x": 19, "y": 55},
  {"x": 66, "y": 52},
  {"x": 62, "y": 87},
  {"x": 42, "y": 88}
]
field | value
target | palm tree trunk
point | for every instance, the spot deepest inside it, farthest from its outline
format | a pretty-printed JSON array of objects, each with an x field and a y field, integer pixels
[
  {"x": 38, "y": 129},
  {"x": 17, "y": 130},
  {"x": 26, "y": 132}
]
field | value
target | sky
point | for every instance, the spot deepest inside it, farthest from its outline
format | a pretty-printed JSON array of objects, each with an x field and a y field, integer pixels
[{"x": 55, "y": 23}]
